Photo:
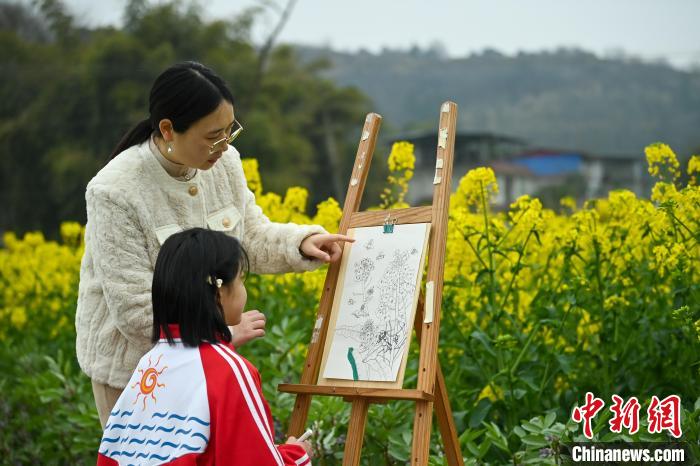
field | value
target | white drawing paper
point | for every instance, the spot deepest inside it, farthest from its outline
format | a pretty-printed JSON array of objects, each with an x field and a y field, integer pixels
[{"x": 375, "y": 312}]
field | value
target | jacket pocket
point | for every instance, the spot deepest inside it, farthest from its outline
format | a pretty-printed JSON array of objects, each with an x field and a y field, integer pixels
[
  {"x": 164, "y": 232},
  {"x": 227, "y": 220}
]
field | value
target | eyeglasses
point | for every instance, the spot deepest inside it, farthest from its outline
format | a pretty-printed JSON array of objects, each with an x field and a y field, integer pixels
[{"x": 221, "y": 144}]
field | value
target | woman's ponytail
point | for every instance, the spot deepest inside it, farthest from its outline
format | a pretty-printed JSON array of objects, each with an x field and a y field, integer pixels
[{"x": 136, "y": 135}]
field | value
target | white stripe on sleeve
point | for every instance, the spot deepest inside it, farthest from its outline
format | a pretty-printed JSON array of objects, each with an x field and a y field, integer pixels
[
  {"x": 249, "y": 378},
  {"x": 256, "y": 416}
]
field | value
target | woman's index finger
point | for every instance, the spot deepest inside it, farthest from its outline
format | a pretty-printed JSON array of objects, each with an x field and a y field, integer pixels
[{"x": 339, "y": 237}]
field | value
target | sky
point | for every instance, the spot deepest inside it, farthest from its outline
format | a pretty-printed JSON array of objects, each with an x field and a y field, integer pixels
[{"x": 650, "y": 29}]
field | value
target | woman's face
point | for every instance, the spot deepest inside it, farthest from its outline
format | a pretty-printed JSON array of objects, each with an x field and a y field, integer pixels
[
  {"x": 232, "y": 298},
  {"x": 191, "y": 148}
]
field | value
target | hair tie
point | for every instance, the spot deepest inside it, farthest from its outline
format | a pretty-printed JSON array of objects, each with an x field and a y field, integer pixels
[{"x": 219, "y": 281}]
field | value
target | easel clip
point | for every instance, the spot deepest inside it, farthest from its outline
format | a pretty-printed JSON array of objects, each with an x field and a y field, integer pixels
[{"x": 389, "y": 224}]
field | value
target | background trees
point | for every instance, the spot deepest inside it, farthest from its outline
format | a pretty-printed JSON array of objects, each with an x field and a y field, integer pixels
[{"x": 68, "y": 95}]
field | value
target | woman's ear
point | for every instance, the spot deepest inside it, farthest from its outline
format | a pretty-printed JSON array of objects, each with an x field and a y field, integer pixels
[{"x": 166, "y": 129}]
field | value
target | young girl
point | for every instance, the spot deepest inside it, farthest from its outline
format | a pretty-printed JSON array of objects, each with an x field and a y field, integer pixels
[{"x": 192, "y": 399}]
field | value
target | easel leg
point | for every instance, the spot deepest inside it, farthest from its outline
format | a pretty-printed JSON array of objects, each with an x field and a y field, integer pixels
[
  {"x": 443, "y": 411},
  {"x": 424, "y": 409},
  {"x": 300, "y": 414},
  {"x": 421, "y": 433},
  {"x": 356, "y": 432}
]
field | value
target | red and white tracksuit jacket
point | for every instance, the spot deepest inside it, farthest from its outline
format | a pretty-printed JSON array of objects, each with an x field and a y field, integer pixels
[{"x": 194, "y": 406}]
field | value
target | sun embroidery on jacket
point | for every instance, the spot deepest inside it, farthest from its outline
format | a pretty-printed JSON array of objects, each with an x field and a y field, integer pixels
[{"x": 149, "y": 381}]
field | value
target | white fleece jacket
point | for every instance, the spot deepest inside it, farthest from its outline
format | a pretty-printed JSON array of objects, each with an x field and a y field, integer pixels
[{"x": 133, "y": 205}]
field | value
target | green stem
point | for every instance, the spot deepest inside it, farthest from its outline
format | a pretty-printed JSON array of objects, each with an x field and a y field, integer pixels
[
  {"x": 516, "y": 363},
  {"x": 680, "y": 222},
  {"x": 466, "y": 238},
  {"x": 545, "y": 378},
  {"x": 512, "y": 227},
  {"x": 489, "y": 246},
  {"x": 517, "y": 270}
]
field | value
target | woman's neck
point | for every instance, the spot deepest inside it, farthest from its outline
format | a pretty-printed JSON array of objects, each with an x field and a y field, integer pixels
[
  {"x": 175, "y": 169},
  {"x": 163, "y": 149}
]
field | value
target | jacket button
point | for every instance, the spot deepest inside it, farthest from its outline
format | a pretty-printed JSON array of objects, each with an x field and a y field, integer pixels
[
  {"x": 193, "y": 190},
  {"x": 226, "y": 222}
]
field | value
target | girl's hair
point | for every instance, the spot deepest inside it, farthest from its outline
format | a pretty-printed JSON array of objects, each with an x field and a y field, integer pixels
[
  {"x": 183, "y": 93},
  {"x": 181, "y": 291}
]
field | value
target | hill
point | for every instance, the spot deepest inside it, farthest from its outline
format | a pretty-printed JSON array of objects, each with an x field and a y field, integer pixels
[{"x": 565, "y": 98}]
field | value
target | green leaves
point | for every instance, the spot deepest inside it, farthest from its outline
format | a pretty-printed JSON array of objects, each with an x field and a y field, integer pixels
[{"x": 47, "y": 407}]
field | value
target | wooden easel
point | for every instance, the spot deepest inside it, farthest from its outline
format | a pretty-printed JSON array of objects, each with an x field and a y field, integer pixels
[{"x": 430, "y": 391}]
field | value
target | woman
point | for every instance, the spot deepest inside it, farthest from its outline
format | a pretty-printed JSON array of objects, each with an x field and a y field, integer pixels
[{"x": 173, "y": 171}]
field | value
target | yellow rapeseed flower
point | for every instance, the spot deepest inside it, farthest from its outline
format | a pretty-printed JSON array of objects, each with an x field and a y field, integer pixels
[
  {"x": 694, "y": 169},
  {"x": 587, "y": 330},
  {"x": 568, "y": 202},
  {"x": 401, "y": 161},
  {"x": 18, "y": 317},
  {"x": 401, "y": 157},
  {"x": 661, "y": 158},
  {"x": 561, "y": 384},
  {"x": 328, "y": 214},
  {"x": 615, "y": 303},
  {"x": 252, "y": 175},
  {"x": 71, "y": 233},
  {"x": 491, "y": 391},
  {"x": 477, "y": 186},
  {"x": 295, "y": 199},
  {"x": 526, "y": 212}
]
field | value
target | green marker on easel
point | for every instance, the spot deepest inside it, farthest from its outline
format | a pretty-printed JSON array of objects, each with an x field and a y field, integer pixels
[{"x": 351, "y": 358}]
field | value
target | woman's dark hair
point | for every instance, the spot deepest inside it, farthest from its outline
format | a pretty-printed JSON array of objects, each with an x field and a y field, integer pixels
[
  {"x": 181, "y": 292},
  {"x": 183, "y": 93}
]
